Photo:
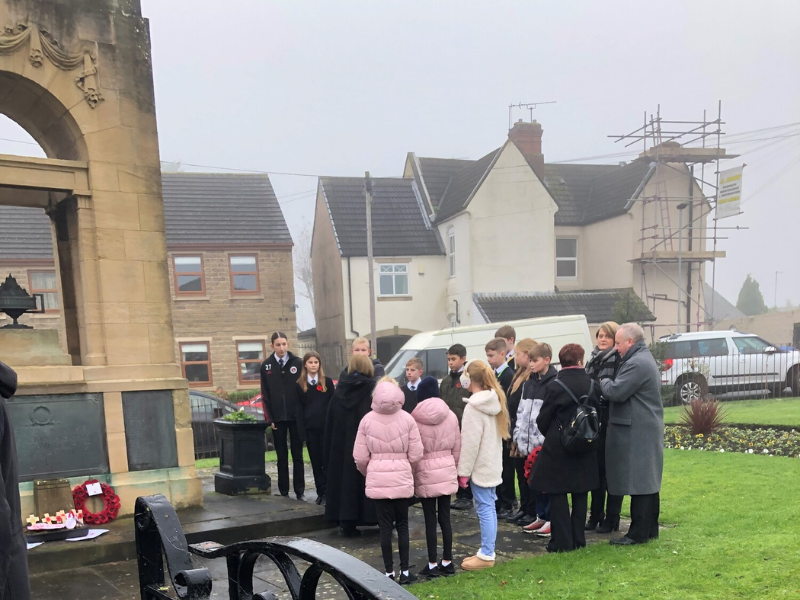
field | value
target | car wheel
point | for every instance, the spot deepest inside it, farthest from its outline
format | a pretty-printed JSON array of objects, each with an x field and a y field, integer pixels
[
  {"x": 691, "y": 387},
  {"x": 794, "y": 381}
]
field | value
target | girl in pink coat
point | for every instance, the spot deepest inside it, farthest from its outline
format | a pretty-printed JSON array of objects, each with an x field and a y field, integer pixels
[
  {"x": 436, "y": 476},
  {"x": 387, "y": 447}
]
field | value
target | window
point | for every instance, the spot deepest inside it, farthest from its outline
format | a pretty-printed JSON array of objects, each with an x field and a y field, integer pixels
[
  {"x": 189, "y": 278},
  {"x": 451, "y": 237},
  {"x": 44, "y": 282},
  {"x": 712, "y": 347},
  {"x": 249, "y": 355},
  {"x": 751, "y": 345},
  {"x": 566, "y": 258},
  {"x": 394, "y": 280},
  {"x": 244, "y": 274},
  {"x": 196, "y": 363}
]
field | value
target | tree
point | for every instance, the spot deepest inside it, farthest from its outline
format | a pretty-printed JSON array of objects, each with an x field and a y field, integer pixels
[
  {"x": 301, "y": 257},
  {"x": 751, "y": 301},
  {"x": 627, "y": 309}
]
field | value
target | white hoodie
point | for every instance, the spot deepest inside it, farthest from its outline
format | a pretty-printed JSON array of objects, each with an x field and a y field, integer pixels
[{"x": 481, "y": 445}]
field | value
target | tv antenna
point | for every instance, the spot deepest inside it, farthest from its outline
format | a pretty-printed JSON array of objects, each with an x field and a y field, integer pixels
[{"x": 529, "y": 105}]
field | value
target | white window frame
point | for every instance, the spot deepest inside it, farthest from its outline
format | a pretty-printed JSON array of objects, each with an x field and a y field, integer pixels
[
  {"x": 451, "y": 250},
  {"x": 395, "y": 271},
  {"x": 566, "y": 259}
]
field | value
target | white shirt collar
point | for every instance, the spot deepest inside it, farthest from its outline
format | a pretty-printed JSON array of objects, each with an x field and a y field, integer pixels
[
  {"x": 313, "y": 378},
  {"x": 415, "y": 384},
  {"x": 278, "y": 359},
  {"x": 501, "y": 368}
]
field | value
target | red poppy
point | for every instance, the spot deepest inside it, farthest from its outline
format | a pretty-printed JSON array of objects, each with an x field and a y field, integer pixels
[
  {"x": 319, "y": 388},
  {"x": 458, "y": 385}
]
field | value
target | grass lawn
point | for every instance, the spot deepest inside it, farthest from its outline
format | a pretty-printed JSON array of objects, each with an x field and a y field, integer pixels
[
  {"x": 774, "y": 411},
  {"x": 213, "y": 463},
  {"x": 733, "y": 531}
]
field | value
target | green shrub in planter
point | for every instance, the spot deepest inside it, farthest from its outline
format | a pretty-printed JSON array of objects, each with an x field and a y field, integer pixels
[{"x": 239, "y": 416}]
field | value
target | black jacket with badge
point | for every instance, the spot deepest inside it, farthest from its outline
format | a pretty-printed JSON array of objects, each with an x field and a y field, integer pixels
[
  {"x": 279, "y": 388},
  {"x": 13, "y": 550},
  {"x": 315, "y": 404},
  {"x": 556, "y": 471},
  {"x": 453, "y": 394}
]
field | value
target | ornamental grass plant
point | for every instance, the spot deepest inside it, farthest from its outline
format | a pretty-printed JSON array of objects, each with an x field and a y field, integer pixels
[{"x": 703, "y": 416}]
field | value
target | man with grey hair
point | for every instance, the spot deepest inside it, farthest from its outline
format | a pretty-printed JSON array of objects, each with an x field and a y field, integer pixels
[{"x": 635, "y": 436}]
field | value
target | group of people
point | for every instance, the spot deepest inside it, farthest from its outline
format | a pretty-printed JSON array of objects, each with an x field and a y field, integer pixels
[{"x": 488, "y": 428}]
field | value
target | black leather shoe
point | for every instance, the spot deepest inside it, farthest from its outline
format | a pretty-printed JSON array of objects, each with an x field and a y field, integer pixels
[
  {"x": 513, "y": 518},
  {"x": 624, "y": 541},
  {"x": 462, "y": 504},
  {"x": 503, "y": 513},
  {"x": 301, "y": 497},
  {"x": 609, "y": 525},
  {"x": 525, "y": 520},
  {"x": 591, "y": 525},
  {"x": 348, "y": 532},
  {"x": 318, "y": 501}
]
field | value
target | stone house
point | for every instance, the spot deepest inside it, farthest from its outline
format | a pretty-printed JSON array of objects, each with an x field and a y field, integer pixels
[
  {"x": 230, "y": 271},
  {"x": 507, "y": 236}
]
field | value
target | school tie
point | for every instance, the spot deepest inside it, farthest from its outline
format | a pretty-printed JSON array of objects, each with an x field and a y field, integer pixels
[
  {"x": 313, "y": 382},
  {"x": 413, "y": 388}
]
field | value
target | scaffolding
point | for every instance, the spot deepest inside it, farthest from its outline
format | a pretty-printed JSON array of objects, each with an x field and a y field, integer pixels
[{"x": 668, "y": 143}]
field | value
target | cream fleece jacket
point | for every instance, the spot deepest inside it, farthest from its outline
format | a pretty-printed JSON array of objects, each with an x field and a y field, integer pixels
[{"x": 481, "y": 445}]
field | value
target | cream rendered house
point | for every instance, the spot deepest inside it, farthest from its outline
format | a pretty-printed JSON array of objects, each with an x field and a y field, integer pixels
[{"x": 508, "y": 237}]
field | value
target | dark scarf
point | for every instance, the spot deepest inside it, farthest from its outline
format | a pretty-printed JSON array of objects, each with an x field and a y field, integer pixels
[{"x": 603, "y": 364}]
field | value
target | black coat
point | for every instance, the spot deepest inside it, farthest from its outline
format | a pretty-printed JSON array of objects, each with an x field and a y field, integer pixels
[
  {"x": 13, "y": 550},
  {"x": 345, "y": 497},
  {"x": 279, "y": 388},
  {"x": 556, "y": 471},
  {"x": 603, "y": 365},
  {"x": 315, "y": 405}
]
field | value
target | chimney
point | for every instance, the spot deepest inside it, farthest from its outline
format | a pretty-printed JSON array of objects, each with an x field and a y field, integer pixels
[{"x": 527, "y": 137}]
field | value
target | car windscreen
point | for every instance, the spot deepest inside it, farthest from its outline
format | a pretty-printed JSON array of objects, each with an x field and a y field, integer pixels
[{"x": 434, "y": 363}]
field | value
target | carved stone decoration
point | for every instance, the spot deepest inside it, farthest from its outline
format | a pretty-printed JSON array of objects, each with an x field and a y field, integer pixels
[{"x": 41, "y": 45}]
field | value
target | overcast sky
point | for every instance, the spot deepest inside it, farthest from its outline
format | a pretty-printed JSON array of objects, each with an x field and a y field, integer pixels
[{"x": 326, "y": 88}]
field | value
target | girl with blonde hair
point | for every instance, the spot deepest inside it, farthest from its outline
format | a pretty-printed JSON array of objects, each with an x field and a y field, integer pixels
[{"x": 484, "y": 426}]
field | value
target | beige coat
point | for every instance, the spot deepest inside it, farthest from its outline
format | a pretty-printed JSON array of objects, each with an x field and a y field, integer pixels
[{"x": 481, "y": 445}]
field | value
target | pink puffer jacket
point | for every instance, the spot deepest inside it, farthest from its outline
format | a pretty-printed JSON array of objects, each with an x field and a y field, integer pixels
[
  {"x": 387, "y": 445},
  {"x": 436, "y": 474}
]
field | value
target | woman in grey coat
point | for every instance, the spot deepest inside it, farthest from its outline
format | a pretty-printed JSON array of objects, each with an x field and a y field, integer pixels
[{"x": 635, "y": 437}]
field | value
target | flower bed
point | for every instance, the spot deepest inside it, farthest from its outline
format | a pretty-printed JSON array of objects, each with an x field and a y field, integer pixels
[{"x": 773, "y": 442}]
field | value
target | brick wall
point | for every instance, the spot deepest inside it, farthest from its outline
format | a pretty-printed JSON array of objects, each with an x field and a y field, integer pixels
[{"x": 222, "y": 318}]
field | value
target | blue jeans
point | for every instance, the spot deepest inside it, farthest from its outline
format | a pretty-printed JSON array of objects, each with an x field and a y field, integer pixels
[
  {"x": 542, "y": 503},
  {"x": 487, "y": 516}
]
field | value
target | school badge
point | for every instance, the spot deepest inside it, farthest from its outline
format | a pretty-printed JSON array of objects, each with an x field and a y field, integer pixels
[{"x": 293, "y": 370}]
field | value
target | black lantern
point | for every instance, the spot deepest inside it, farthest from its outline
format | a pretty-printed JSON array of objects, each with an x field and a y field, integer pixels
[{"x": 15, "y": 302}]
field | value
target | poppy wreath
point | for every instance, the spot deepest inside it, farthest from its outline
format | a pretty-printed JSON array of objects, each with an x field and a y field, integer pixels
[{"x": 110, "y": 503}]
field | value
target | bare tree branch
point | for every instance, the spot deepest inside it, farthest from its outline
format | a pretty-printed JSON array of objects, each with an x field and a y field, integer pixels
[{"x": 301, "y": 256}]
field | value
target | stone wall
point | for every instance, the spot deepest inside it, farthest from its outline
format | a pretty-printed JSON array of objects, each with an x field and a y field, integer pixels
[{"x": 222, "y": 318}]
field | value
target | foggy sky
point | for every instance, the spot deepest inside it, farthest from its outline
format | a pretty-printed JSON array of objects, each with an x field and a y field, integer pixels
[{"x": 325, "y": 88}]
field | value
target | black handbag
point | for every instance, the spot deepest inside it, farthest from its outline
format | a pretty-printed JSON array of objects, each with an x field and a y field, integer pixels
[
  {"x": 8, "y": 381},
  {"x": 583, "y": 428}
]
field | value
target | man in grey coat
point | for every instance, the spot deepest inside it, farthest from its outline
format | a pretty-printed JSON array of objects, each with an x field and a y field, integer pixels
[
  {"x": 635, "y": 436},
  {"x": 13, "y": 550}
]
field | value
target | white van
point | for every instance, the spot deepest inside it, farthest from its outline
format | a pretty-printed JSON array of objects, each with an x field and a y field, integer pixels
[{"x": 431, "y": 346}]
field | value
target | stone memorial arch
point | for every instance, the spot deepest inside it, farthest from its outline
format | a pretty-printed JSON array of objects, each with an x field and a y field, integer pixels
[{"x": 110, "y": 402}]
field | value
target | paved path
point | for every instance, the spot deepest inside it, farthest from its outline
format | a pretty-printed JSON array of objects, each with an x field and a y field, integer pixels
[{"x": 119, "y": 581}]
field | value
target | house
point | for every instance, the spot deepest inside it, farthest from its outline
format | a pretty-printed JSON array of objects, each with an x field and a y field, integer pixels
[
  {"x": 510, "y": 236},
  {"x": 230, "y": 272}
]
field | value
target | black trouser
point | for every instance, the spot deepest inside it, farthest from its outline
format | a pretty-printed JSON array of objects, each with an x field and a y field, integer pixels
[
  {"x": 429, "y": 506},
  {"x": 393, "y": 514},
  {"x": 506, "y": 491},
  {"x": 525, "y": 500},
  {"x": 566, "y": 531},
  {"x": 314, "y": 443},
  {"x": 599, "y": 510},
  {"x": 644, "y": 517},
  {"x": 279, "y": 436}
]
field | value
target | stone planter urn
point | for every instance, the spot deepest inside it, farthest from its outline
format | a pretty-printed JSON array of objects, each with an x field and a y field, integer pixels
[{"x": 241, "y": 458}]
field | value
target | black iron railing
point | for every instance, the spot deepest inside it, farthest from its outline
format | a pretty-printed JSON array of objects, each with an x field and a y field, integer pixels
[{"x": 160, "y": 539}]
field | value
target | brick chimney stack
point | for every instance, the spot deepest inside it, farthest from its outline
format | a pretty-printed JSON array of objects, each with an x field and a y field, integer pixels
[{"x": 527, "y": 137}]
